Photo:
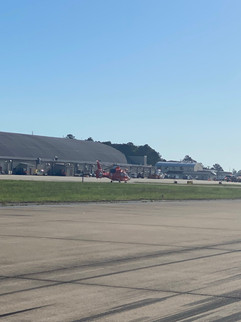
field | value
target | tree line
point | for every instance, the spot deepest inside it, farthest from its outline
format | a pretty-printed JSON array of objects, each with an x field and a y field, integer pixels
[{"x": 131, "y": 150}]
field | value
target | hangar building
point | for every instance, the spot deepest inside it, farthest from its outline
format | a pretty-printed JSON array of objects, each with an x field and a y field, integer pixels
[
  {"x": 30, "y": 154},
  {"x": 184, "y": 170}
]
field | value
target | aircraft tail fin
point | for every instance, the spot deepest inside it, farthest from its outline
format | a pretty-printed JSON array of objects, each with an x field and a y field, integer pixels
[
  {"x": 98, "y": 165},
  {"x": 99, "y": 171}
]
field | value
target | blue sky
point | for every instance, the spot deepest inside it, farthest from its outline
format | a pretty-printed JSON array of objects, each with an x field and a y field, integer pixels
[{"x": 163, "y": 73}]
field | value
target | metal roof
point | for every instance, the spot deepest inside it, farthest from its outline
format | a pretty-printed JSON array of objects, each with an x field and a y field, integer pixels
[
  {"x": 175, "y": 164},
  {"x": 24, "y": 146}
]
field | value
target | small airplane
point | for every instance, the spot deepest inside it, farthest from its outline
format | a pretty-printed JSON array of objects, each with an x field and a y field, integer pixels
[{"x": 115, "y": 173}]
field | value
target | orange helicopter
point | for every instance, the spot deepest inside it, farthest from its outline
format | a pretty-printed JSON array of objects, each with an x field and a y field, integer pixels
[{"x": 115, "y": 173}]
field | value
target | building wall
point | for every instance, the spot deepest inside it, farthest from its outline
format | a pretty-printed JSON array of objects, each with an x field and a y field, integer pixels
[
  {"x": 44, "y": 153},
  {"x": 177, "y": 166},
  {"x": 183, "y": 170},
  {"x": 198, "y": 167}
]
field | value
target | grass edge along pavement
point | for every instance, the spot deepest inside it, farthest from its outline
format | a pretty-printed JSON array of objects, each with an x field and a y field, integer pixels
[{"x": 12, "y": 191}]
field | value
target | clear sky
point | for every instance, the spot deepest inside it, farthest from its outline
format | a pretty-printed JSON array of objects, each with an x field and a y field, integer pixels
[{"x": 163, "y": 73}]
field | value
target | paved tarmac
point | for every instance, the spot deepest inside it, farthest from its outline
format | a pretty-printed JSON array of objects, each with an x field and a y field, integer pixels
[
  {"x": 153, "y": 261},
  {"x": 93, "y": 179}
]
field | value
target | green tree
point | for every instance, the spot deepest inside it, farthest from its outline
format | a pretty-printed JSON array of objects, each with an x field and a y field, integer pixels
[
  {"x": 217, "y": 167},
  {"x": 187, "y": 158},
  {"x": 70, "y": 136},
  {"x": 129, "y": 149}
]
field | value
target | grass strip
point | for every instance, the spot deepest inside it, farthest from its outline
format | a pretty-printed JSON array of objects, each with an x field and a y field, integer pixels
[{"x": 47, "y": 192}]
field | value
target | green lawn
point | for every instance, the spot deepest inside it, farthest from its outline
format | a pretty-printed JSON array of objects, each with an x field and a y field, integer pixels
[{"x": 47, "y": 192}]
